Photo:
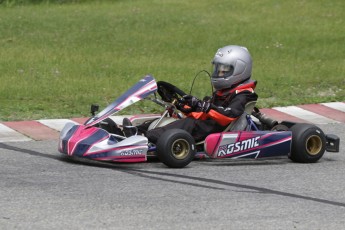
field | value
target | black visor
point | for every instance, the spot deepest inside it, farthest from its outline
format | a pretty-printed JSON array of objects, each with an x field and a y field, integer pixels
[{"x": 221, "y": 70}]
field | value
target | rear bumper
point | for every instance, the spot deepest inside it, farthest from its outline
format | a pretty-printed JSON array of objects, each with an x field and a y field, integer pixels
[{"x": 332, "y": 143}]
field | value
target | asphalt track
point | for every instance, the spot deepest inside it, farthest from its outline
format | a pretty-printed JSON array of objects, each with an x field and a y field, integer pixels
[{"x": 41, "y": 189}]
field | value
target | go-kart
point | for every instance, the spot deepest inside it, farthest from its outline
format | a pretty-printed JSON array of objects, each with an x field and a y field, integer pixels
[{"x": 247, "y": 137}]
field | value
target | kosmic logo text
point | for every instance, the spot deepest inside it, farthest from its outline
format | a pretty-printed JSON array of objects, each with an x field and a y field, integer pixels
[
  {"x": 131, "y": 152},
  {"x": 238, "y": 146}
]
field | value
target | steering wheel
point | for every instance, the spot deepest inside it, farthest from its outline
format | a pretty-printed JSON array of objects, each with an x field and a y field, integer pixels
[{"x": 169, "y": 92}]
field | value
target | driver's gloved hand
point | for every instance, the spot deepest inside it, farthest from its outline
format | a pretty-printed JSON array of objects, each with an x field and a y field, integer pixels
[
  {"x": 203, "y": 106},
  {"x": 191, "y": 100},
  {"x": 180, "y": 105}
]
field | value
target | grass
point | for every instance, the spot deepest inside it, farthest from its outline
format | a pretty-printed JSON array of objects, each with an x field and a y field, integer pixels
[{"x": 57, "y": 59}]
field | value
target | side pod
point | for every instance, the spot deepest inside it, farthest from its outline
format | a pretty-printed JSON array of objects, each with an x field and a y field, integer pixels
[{"x": 248, "y": 144}]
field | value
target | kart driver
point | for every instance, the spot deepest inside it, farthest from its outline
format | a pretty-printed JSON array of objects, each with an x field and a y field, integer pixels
[{"x": 231, "y": 79}]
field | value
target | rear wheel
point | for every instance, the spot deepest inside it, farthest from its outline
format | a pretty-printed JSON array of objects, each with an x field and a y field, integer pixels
[
  {"x": 280, "y": 127},
  {"x": 176, "y": 148},
  {"x": 308, "y": 143}
]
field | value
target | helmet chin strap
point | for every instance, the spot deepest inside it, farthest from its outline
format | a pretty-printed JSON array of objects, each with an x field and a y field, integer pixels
[{"x": 239, "y": 83}]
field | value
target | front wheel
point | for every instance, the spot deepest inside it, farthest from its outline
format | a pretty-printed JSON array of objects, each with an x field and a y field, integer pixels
[
  {"x": 176, "y": 148},
  {"x": 308, "y": 143}
]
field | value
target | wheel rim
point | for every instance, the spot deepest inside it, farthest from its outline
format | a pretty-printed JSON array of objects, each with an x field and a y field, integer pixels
[
  {"x": 180, "y": 149},
  {"x": 314, "y": 145}
]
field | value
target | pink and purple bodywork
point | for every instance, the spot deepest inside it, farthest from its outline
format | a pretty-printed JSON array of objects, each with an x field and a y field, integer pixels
[
  {"x": 95, "y": 143},
  {"x": 87, "y": 141},
  {"x": 248, "y": 144}
]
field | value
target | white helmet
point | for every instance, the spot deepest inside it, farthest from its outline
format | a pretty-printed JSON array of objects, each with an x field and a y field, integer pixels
[{"x": 232, "y": 65}]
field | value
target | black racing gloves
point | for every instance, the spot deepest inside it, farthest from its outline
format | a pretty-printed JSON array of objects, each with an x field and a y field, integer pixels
[{"x": 195, "y": 104}]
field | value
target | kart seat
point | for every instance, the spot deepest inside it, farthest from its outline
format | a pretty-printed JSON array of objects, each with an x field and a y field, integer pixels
[{"x": 241, "y": 123}]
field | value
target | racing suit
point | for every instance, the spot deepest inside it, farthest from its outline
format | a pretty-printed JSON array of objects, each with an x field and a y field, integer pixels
[{"x": 225, "y": 106}]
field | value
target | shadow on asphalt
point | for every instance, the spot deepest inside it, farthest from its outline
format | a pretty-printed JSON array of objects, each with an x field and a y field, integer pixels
[{"x": 133, "y": 169}]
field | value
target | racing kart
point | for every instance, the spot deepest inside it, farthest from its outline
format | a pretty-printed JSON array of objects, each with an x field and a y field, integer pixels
[{"x": 247, "y": 137}]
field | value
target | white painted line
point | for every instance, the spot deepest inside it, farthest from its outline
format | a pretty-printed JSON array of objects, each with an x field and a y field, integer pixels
[
  {"x": 335, "y": 105},
  {"x": 56, "y": 124},
  {"x": 305, "y": 115},
  {"x": 7, "y": 135}
]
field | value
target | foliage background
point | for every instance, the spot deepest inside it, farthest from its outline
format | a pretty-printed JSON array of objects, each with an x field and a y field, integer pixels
[{"x": 58, "y": 57}]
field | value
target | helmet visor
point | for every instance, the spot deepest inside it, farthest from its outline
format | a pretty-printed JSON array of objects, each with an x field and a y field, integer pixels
[{"x": 222, "y": 71}]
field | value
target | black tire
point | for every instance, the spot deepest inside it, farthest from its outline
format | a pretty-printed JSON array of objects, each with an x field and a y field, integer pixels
[
  {"x": 308, "y": 143},
  {"x": 176, "y": 148},
  {"x": 280, "y": 127}
]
